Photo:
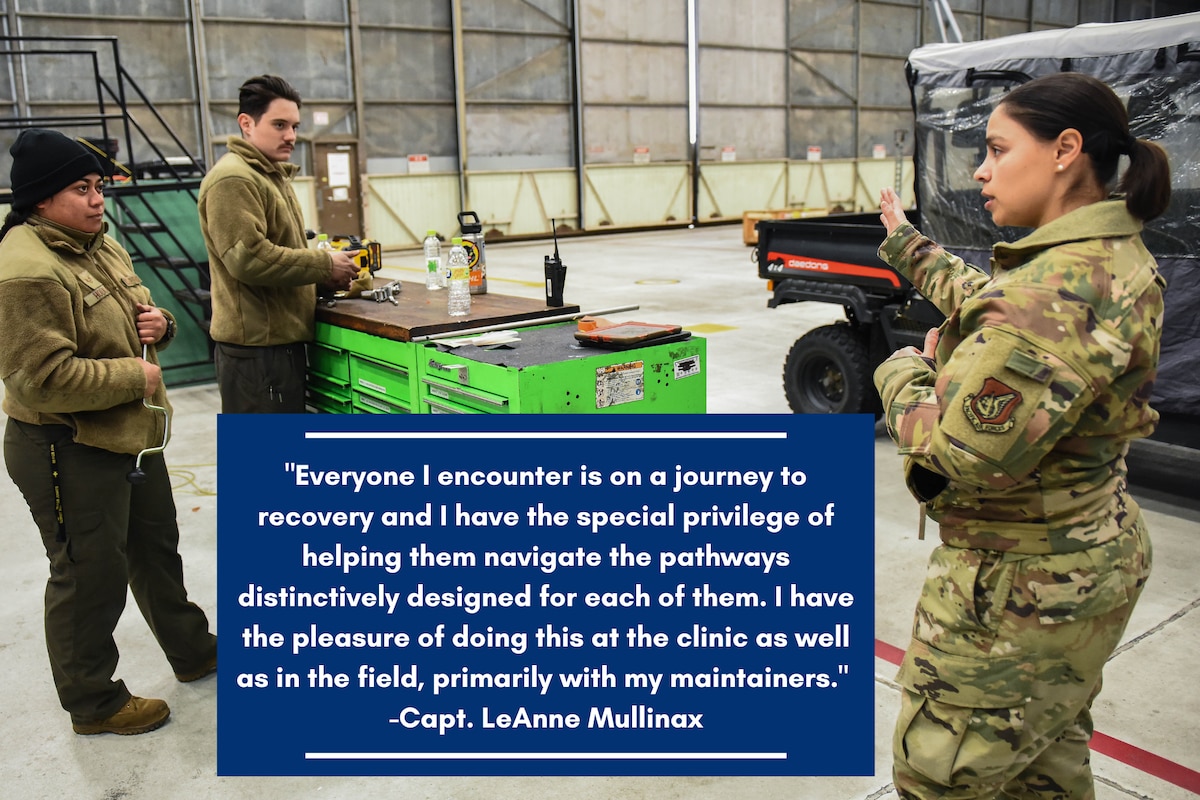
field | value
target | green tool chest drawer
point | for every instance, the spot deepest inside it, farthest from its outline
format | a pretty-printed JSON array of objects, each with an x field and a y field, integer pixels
[
  {"x": 350, "y": 371},
  {"x": 379, "y": 387},
  {"x": 328, "y": 378},
  {"x": 451, "y": 383},
  {"x": 329, "y": 397},
  {"x": 330, "y": 362}
]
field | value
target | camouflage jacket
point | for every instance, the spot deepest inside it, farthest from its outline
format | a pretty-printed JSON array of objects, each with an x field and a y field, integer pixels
[{"x": 1016, "y": 432}]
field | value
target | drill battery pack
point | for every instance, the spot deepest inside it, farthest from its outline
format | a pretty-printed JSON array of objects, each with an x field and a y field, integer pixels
[{"x": 369, "y": 256}]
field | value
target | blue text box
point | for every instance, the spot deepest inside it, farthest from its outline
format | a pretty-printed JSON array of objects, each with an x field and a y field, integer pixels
[{"x": 546, "y": 595}]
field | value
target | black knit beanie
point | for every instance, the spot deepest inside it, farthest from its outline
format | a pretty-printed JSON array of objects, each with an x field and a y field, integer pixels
[{"x": 46, "y": 162}]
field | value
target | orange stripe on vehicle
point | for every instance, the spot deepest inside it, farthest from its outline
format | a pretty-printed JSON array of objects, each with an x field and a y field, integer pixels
[{"x": 807, "y": 264}]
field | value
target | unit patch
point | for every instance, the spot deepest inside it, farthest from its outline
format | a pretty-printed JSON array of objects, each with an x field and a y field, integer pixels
[{"x": 991, "y": 409}]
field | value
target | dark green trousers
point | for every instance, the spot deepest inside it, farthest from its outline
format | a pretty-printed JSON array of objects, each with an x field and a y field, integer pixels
[
  {"x": 261, "y": 380},
  {"x": 113, "y": 535}
]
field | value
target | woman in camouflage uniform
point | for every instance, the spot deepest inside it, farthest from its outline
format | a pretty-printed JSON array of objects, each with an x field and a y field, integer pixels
[{"x": 1014, "y": 422}]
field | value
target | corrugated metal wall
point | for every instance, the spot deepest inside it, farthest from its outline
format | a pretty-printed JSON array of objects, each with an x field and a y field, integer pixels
[{"x": 532, "y": 110}]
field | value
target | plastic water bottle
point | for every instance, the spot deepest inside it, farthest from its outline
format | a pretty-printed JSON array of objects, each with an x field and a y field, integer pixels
[
  {"x": 458, "y": 304},
  {"x": 323, "y": 242},
  {"x": 433, "y": 261}
]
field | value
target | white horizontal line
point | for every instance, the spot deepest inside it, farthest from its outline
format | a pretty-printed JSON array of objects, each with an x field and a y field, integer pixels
[
  {"x": 545, "y": 435},
  {"x": 536, "y": 756}
]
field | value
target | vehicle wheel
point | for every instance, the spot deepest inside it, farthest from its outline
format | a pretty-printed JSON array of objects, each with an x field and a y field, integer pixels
[{"x": 827, "y": 371}]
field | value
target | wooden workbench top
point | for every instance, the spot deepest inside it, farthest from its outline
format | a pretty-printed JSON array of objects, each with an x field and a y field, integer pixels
[{"x": 422, "y": 313}]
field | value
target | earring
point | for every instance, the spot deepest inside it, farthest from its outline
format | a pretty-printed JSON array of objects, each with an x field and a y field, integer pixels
[{"x": 1059, "y": 168}]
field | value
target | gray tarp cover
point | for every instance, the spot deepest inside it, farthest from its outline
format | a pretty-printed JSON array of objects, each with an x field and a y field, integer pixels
[{"x": 1154, "y": 65}]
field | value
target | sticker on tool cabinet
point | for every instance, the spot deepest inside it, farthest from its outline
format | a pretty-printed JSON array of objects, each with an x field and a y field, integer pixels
[
  {"x": 687, "y": 367},
  {"x": 620, "y": 383}
]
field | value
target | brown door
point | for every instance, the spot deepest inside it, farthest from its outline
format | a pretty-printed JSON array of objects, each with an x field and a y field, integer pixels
[{"x": 339, "y": 200}]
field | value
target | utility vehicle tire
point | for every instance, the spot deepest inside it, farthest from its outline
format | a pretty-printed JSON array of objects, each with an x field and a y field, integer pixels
[{"x": 827, "y": 371}]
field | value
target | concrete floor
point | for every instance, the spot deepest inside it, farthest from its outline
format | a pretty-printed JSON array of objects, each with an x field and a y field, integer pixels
[{"x": 704, "y": 280}]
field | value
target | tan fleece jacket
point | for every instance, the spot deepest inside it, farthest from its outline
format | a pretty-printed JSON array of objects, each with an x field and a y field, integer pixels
[
  {"x": 264, "y": 275},
  {"x": 69, "y": 347}
]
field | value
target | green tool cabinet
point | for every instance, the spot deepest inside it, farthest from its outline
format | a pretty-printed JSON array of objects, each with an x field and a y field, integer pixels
[
  {"x": 563, "y": 377},
  {"x": 354, "y": 372},
  {"x": 371, "y": 366}
]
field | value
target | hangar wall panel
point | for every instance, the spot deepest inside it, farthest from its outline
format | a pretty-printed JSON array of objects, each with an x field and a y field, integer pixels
[{"x": 512, "y": 101}]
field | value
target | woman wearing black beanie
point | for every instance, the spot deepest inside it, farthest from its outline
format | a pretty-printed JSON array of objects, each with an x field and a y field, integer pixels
[{"x": 76, "y": 329}]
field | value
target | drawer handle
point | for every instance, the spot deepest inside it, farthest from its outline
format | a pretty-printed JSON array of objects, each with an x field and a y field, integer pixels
[
  {"x": 329, "y": 379},
  {"x": 442, "y": 408},
  {"x": 401, "y": 371},
  {"x": 381, "y": 406},
  {"x": 462, "y": 374},
  {"x": 465, "y": 393}
]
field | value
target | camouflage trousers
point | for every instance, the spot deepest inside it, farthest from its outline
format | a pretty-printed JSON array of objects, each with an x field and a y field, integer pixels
[{"x": 1004, "y": 664}]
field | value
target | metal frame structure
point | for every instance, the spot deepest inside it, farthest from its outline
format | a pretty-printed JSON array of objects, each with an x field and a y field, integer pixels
[{"x": 395, "y": 79}]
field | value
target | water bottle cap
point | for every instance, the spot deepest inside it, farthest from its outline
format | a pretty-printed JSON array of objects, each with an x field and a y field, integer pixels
[
  {"x": 321, "y": 237},
  {"x": 471, "y": 226},
  {"x": 431, "y": 232},
  {"x": 456, "y": 240}
]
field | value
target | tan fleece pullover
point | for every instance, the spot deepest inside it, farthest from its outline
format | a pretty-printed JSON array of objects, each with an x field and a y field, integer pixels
[
  {"x": 69, "y": 347},
  {"x": 264, "y": 275}
]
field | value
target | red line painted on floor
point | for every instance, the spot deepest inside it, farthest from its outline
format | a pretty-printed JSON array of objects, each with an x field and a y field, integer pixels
[
  {"x": 1146, "y": 761},
  {"x": 888, "y": 652},
  {"x": 1103, "y": 744}
]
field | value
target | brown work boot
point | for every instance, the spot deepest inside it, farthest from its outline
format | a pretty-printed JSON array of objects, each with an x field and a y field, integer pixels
[
  {"x": 208, "y": 668},
  {"x": 139, "y": 715}
]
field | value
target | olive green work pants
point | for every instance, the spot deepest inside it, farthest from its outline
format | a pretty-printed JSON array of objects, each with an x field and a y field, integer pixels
[
  {"x": 113, "y": 535},
  {"x": 261, "y": 380}
]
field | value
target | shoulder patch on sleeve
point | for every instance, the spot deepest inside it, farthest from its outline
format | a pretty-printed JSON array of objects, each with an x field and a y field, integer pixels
[{"x": 991, "y": 408}]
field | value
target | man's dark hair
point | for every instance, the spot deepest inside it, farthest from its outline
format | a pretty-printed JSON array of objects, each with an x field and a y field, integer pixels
[{"x": 258, "y": 92}]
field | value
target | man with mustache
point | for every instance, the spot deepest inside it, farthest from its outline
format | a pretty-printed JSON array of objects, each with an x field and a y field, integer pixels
[{"x": 264, "y": 276}]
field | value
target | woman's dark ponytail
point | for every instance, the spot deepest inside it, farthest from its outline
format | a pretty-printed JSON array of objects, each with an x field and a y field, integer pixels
[
  {"x": 14, "y": 219},
  {"x": 1147, "y": 182},
  {"x": 1051, "y": 104}
]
